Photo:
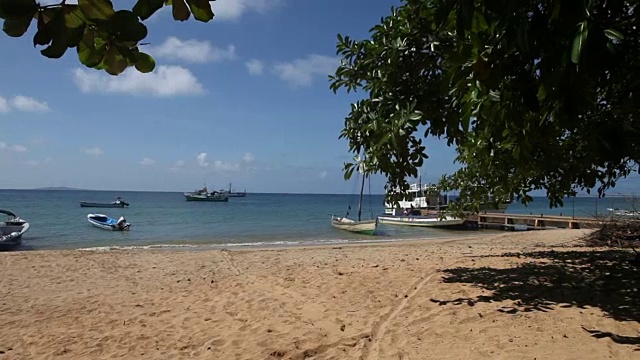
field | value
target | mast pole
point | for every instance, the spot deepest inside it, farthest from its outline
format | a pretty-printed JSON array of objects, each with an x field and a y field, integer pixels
[{"x": 361, "y": 192}]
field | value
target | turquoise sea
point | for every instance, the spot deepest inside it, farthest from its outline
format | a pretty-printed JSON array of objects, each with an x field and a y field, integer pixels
[{"x": 165, "y": 219}]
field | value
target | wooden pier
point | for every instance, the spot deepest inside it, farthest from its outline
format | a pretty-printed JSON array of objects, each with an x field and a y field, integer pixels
[{"x": 531, "y": 222}]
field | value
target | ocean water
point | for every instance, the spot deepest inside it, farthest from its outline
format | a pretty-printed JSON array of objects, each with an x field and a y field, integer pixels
[{"x": 165, "y": 219}]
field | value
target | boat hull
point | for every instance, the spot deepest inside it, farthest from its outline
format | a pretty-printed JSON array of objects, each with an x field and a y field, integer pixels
[
  {"x": 424, "y": 221},
  {"x": 367, "y": 227},
  {"x": 11, "y": 231},
  {"x": 106, "y": 223},
  {"x": 210, "y": 198},
  {"x": 103, "y": 205}
]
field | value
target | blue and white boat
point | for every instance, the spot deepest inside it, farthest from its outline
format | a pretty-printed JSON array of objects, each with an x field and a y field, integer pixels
[
  {"x": 104, "y": 222},
  {"x": 11, "y": 230}
]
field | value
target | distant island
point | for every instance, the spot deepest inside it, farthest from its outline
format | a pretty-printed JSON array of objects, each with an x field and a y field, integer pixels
[{"x": 64, "y": 188}]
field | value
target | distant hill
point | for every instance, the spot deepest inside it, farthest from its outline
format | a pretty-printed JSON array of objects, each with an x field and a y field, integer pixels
[{"x": 62, "y": 188}]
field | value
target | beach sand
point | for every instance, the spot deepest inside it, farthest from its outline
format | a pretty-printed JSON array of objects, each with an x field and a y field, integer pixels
[{"x": 526, "y": 295}]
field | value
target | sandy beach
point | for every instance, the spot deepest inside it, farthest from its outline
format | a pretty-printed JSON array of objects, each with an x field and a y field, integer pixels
[{"x": 527, "y": 295}]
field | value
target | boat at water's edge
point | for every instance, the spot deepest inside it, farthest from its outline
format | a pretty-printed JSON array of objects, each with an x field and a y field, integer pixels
[
  {"x": 425, "y": 221},
  {"x": 11, "y": 230},
  {"x": 367, "y": 227}
]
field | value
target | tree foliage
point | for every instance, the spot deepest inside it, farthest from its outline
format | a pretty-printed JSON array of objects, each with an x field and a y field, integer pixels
[
  {"x": 533, "y": 94},
  {"x": 105, "y": 38}
]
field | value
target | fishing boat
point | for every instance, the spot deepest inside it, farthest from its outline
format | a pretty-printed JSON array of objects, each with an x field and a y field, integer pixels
[
  {"x": 231, "y": 193},
  {"x": 11, "y": 230},
  {"x": 118, "y": 203},
  {"x": 204, "y": 195},
  {"x": 356, "y": 226},
  {"x": 434, "y": 220},
  {"x": 104, "y": 222}
]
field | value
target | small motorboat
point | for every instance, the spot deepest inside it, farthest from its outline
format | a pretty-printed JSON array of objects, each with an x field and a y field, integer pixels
[
  {"x": 119, "y": 203},
  {"x": 11, "y": 230},
  {"x": 104, "y": 222}
]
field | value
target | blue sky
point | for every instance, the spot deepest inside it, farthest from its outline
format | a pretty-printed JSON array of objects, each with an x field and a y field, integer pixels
[{"x": 244, "y": 98}]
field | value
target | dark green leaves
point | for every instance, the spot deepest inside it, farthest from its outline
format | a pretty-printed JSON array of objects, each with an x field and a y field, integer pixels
[
  {"x": 145, "y": 8},
  {"x": 613, "y": 34},
  {"x": 124, "y": 26},
  {"x": 17, "y": 15},
  {"x": 201, "y": 9},
  {"x": 579, "y": 41},
  {"x": 144, "y": 63},
  {"x": 96, "y": 9}
]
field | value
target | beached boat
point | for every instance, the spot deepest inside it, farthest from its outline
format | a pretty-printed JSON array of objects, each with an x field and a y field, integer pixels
[
  {"x": 356, "y": 226},
  {"x": 231, "y": 193},
  {"x": 104, "y": 222},
  {"x": 434, "y": 220},
  {"x": 11, "y": 230},
  {"x": 204, "y": 195},
  {"x": 119, "y": 203}
]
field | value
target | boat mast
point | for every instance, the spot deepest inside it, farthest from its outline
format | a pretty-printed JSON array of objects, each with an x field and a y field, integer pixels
[{"x": 361, "y": 190}]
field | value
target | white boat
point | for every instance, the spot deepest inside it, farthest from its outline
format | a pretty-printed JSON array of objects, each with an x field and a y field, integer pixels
[
  {"x": 11, "y": 230},
  {"x": 624, "y": 213},
  {"x": 426, "y": 197},
  {"x": 104, "y": 222},
  {"x": 361, "y": 227},
  {"x": 204, "y": 195},
  {"x": 426, "y": 221},
  {"x": 356, "y": 226}
]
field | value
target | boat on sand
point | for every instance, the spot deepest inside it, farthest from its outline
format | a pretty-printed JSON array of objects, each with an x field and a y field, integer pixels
[{"x": 11, "y": 230}]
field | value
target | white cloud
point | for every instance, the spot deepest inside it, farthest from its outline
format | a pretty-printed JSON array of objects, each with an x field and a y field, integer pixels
[
  {"x": 95, "y": 151},
  {"x": 248, "y": 157},
  {"x": 233, "y": 9},
  {"x": 323, "y": 174},
  {"x": 163, "y": 81},
  {"x": 202, "y": 159},
  {"x": 146, "y": 162},
  {"x": 254, "y": 66},
  {"x": 37, "y": 163},
  {"x": 177, "y": 165},
  {"x": 4, "y": 105},
  {"x": 224, "y": 166},
  {"x": 28, "y": 104},
  {"x": 23, "y": 103},
  {"x": 14, "y": 148},
  {"x": 300, "y": 72},
  {"x": 192, "y": 51}
]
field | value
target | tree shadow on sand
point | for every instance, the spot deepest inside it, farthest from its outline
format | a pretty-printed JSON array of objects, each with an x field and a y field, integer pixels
[{"x": 602, "y": 279}]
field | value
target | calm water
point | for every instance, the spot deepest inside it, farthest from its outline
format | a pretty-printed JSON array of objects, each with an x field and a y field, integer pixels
[{"x": 162, "y": 218}]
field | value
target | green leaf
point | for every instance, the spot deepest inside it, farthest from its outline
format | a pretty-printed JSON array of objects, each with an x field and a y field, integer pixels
[
  {"x": 180, "y": 10},
  {"x": 201, "y": 10},
  {"x": 96, "y": 9},
  {"x": 44, "y": 34},
  {"x": 87, "y": 52},
  {"x": 578, "y": 42},
  {"x": 125, "y": 26},
  {"x": 144, "y": 63},
  {"x": 613, "y": 34},
  {"x": 17, "y": 9},
  {"x": 73, "y": 16},
  {"x": 74, "y": 35},
  {"x": 145, "y": 8},
  {"x": 17, "y": 27},
  {"x": 59, "y": 37},
  {"x": 114, "y": 62}
]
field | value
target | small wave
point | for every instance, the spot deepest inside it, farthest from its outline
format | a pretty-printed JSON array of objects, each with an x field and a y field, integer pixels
[{"x": 286, "y": 243}]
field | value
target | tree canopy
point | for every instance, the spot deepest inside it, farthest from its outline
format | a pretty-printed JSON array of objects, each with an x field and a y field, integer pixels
[
  {"x": 534, "y": 95},
  {"x": 105, "y": 38}
]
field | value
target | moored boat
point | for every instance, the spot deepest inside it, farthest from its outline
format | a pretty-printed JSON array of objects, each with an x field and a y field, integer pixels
[
  {"x": 434, "y": 220},
  {"x": 104, "y": 222},
  {"x": 362, "y": 227},
  {"x": 118, "y": 203},
  {"x": 204, "y": 195},
  {"x": 231, "y": 193},
  {"x": 11, "y": 230}
]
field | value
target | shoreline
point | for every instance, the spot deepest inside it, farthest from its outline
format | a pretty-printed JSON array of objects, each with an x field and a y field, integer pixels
[{"x": 509, "y": 295}]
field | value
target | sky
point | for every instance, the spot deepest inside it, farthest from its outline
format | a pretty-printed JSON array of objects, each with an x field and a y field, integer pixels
[{"x": 244, "y": 99}]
